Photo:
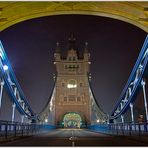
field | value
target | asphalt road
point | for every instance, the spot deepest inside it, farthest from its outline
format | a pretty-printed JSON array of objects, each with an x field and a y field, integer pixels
[{"x": 74, "y": 137}]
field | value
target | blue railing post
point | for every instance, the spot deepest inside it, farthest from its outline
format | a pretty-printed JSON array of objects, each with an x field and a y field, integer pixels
[
  {"x": 139, "y": 129},
  {"x": 27, "y": 129},
  {"x": 122, "y": 128},
  {"x": 14, "y": 129},
  {"x": 22, "y": 127},
  {"x": 145, "y": 127},
  {"x": 6, "y": 131},
  {"x": 130, "y": 129}
]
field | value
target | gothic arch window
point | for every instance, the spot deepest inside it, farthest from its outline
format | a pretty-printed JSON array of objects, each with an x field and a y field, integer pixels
[
  {"x": 69, "y": 58},
  {"x": 63, "y": 84},
  {"x": 66, "y": 67},
  {"x": 65, "y": 99},
  {"x": 61, "y": 97},
  {"x": 78, "y": 99}
]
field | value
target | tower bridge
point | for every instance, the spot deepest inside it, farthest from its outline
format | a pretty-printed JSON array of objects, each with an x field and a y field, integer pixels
[
  {"x": 72, "y": 115},
  {"x": 72, "y": 97},
  {"x": 72, "y": 104}
]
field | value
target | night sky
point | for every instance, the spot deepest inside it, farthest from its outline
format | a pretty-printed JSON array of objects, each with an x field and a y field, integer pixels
[{"x": 114, "y": 46}]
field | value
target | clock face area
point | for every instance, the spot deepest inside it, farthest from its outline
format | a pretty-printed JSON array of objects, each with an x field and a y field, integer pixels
[{"x": 72, "y": 84}]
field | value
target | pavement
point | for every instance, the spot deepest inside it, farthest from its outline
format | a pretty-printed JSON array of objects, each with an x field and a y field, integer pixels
[{"x": 75, "y": 137}]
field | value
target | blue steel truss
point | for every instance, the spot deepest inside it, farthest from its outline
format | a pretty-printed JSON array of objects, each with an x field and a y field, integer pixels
[
  {"x": 12, "y": 86},
  {"x": 133, "y": 84}
]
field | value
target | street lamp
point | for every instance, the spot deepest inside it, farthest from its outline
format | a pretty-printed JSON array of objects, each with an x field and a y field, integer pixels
[
  {"x": 98, "y": 120},
  {"x": 5, "y": 67},
  {"x": 46, "y": 120}
]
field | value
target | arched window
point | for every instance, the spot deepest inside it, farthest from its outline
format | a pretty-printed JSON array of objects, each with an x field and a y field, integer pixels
[
  {"x": 69, "y": 58},
  {"x": 81, "y": 84},
  {"x": 65, "y": 99},
  {"x": 78, "y": 99},
  {"x": 66, "y": 67}
]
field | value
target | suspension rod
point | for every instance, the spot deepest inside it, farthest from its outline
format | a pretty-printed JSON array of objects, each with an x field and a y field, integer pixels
[
  {"x": 132, "y": 112},
  {"x": 1, "y": 92},
  {"x": 144, "y": 96},
  {"x": 13, "y": 111}
]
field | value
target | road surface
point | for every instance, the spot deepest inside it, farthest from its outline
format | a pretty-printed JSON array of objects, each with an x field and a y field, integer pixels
[{"x": 74, "y": 137}]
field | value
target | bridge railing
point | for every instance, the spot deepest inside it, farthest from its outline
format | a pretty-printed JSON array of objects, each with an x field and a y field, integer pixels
[
  {"x": 128, "y": 129},
  {"x": 13, "y": 130}
]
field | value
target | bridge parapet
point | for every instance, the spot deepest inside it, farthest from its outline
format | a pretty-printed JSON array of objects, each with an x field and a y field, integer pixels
[
  {"x": 9, "y": 130},
  {"x": 127, "y": 129}
]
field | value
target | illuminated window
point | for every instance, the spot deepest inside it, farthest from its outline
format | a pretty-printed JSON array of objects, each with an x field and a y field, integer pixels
[{"x": 72, "y": 84}]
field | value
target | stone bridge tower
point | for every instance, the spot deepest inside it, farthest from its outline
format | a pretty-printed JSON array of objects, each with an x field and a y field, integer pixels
[
  {"x": 72, "y": 102},
  {"x": 72, "y": 87}
]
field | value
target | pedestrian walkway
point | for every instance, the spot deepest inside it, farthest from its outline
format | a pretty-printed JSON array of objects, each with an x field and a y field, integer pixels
[{"x": 77, "y": 137}]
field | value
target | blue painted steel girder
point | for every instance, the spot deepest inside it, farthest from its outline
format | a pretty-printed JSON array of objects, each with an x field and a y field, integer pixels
[
  {"x": 5, "y": 61},
  {"x": 142, "y": 59}
]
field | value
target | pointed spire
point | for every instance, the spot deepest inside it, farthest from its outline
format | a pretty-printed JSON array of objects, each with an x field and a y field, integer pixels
[
  {"x": 72, "y": 42},
  {"x": 86, "y": 47},
  {"x": 57, "y": 50}
]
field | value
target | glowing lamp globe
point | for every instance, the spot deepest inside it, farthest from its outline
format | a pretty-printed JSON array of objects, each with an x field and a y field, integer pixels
[
  {"x": 46, "y": 120},
  {"x": 5, "y": 67}
]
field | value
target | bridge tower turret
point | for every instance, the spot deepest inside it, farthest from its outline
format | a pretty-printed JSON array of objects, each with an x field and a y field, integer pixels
[{"x": 57, "y": 54}]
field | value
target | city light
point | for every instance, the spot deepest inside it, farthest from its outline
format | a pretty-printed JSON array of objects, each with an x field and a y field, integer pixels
[
  {"x": 98, "y": 120},
  {"x": 71, "y": 86},
  {"x": 5, "y": 67},
  {"x": 46, "y": 120}
]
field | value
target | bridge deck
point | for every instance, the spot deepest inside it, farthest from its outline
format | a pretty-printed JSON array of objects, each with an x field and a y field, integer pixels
[{"x": 64, "y": 137}]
